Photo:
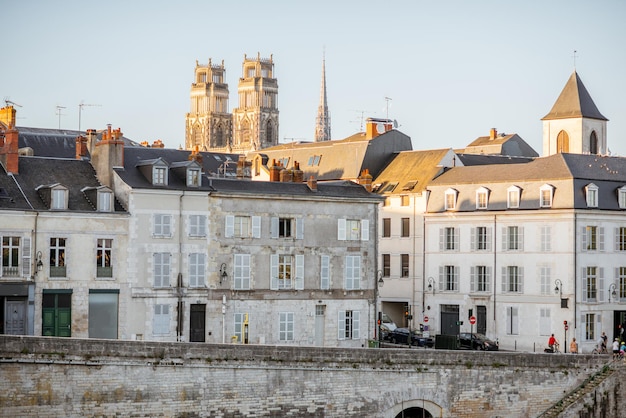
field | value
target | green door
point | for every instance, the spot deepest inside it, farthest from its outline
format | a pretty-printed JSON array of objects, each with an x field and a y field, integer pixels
[{"x": 57, "y": 314}]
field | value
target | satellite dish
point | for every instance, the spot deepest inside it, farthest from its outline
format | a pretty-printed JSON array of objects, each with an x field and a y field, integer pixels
[
  {"x": 380, "y": 128},
  {"x": 395, "y": 124}
]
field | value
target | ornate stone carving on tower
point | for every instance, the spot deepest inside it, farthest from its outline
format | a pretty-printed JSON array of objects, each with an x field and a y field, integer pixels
[
  {"x": 574, "y": 125},
  {"x": 255, "y": 121},
  {"x": 322, "y": 123},
  {"x": 208, "y": 125}
]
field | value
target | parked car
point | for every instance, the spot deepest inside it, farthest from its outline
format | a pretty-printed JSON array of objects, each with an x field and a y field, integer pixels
[
  {"x": 470, "y": 341},
  {"x": 401, "y": 336},
  {"x": 388, "y": 322},
  {"x": 384, "y": 332}
]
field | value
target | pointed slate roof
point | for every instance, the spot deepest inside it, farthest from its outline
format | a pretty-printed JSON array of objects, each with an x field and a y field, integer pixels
[{"x": 574, "y": 102}]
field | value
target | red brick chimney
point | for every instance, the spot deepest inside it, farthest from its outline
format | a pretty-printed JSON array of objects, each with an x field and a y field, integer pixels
[
  {"x": 9, "y": 149},
  {"x": 106, "y": 153},
  {"x": 493, "y": 133},
  {"x": 195, "y": 155},
  {"x": 312, "y": 183},
  {"x": 365, "y": 180},
  {"x": 275, "y": 171},
  {"x": 81, "y": 147}
]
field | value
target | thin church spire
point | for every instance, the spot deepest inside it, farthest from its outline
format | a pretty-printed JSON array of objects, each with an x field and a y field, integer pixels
[{"x": 322, "y": 123}]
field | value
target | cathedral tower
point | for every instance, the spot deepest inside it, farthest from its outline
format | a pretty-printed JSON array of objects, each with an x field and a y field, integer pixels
[
  {"x": 255, "y": 121},
  {"x": 322, "y": 123},
  {"x": 208, "y": 125},
  {"x": 574, "y": 125}
]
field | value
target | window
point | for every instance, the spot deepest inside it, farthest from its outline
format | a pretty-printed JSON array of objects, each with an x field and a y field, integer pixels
[
  {"x": 103, "y": 258},
  {"x": 480, "y": 279},
  {"x": 481, "y": 238},
  {"x": 352, "y": 230},
  {"x": 545, "y": 325},
  {"x": 57, "y": 257},
  {"x": 621, "y": 197},
  {"x": 620, "y": 272},
  {"x": 593, "y": 284},
  {"x": 159, "y": 176},
  {"x": 545, "y": 276},
  {"x": 512, "y": 279},
  {"x": 449, "y": 278},
  {"x": 197, "y": 225},
  {"x": 286, "y": 322},
  {"x": 325, "y": 272},
  {"x": 405, "y": 200},
  {"x": 314, "y": 160},
  {"x": 450, "y": 199},
  {"x": 243, "y": 226},
  {"x": 10, "y": 256},
  {"x": 386, "y": 265},
  {"x": 545, "y": 196},
  {"x": 620, "y": 238},
  {"x": 161, "y": 320},
  {"x": 512, "y": 320},
  {"x": 241, "y": 279},
  {"x": 239, "y": 321},
  {"x": 349, "y": 325},
  {"x": 161, "y": 269},
  {"x": 287, "y": 271},
  {"x": 162, "y": 226},
  {"x": 352, "y": 272},
  {"x": 482, "y": 198},
  {"x": 592, "y": 195},
  {"x": 513, "y": 238},
  {"x": 197, "y": 268},
  {"x": 105, "y": 201},
  {"x": 592, "y": 238},
  {"x": 590, "y": 326},
  {"x": 386, "y": 227},
  {"x": 406, "y": 230},
  {"x": 390, "y": 187},
  {"x": 103, "y": 313},
  {"x": 448, "y": 239},
  {"x": 404, "y": 265},
  {"x": 546, "y": 238},
  {"x": 286, "y": 228},
  {"x": 193, "y": 177},
  {"x": 58, "y": 198},
  {"x": 512, "y": 197}
]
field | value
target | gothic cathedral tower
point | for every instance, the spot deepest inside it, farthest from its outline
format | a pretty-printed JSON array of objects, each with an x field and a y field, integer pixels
[
  {"x": 255, "y": 121},
  {"x": 322, "y": 123},
  {"x": 574, "y": 125},
  {"x": 208, "y": 125}
]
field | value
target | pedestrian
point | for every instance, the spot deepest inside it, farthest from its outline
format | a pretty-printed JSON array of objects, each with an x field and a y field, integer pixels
[
  {"x": 573, "y": 346},
  {"x": 616, "y": 348},
  {"x": 554, "y": 344}
]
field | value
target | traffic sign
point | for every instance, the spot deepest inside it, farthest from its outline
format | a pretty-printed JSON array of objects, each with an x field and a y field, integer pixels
[
  {"x": 472, "y": 320},
  {"x": 425, "y": 319}
]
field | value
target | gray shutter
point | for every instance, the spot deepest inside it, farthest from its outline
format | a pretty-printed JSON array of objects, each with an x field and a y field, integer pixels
[
  {"x": 356, "y": 325},
  {"x": 473, "y": 277},
  {"x": 442, "y": 239},
  {"x": 520, "y": 238},
  {"x": 583, "y": 275},
  {"x": 274, "y": 272},
  {"x": 274, "y": 227},
  {"x": 488, "y": 278},
  {"x": 299, "y": 228},
  {"x": 520, "y": 276},
  {"x": 341, "y": 325},
  {"x": 341, "y": 229},
  {"x": 473, "y": 238},
  {"x": 365, "y": 230},
  {"x": 456, "y": 278},
  {"x": 230, "y": 226},
  {"x": 256, "y": 227},
  {"x": 601, "y": 284},
  {"x": 299, "y": 272},
  {"x": 601, "y": 238},
  {"x": 26, "y": 257}
]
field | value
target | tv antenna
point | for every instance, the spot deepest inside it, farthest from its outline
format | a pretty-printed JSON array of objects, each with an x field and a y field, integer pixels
[
  {"x": 80, "y": 110},
  {"x": 361, "y": 118},
  {"x": 59, "y": 113},
  {"x": 9, "y": 102},
  {"x": 387, "y": 100}
]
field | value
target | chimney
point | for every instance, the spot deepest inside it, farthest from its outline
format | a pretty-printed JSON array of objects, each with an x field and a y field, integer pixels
[
  {"x": 275, "y": 171},
  {"x": 493, "y": 133},
  {"x": 286, "y": 176},
  {"x": 365, "y": 180},
  {"x": 158, "y": 144},
  {"x": 7, "y": 116},
  {"x": 9, "y": 153},
  {"x": 312, "y": 183},
  {"x": 298, "y": 175},
  {"x": 241, "y": 167},
  {"x": 81, "y": 147},
  {"x": 375, "y": 127},
  {"x": 195, "y": 155},
  {"x": 106, "y": 153}
]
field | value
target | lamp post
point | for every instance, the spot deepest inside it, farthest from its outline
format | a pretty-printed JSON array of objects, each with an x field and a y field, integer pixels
[
  {"x": 431, "y": 285},
  {"x": 612, "y": 292},
  {"x": 558, "y": 288},
  {"x": 379, "y": 283},
  {"x": 223, "y": 274}
]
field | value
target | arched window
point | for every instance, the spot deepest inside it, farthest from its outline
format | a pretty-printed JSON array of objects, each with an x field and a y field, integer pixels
[
  {"x": 245, "y": 135},
  {"x": 562, "y": 142},
  {"x": 219, "y": 137},
  {"x": 269, "y": 132},
  {"x": 593, "y": 143}
]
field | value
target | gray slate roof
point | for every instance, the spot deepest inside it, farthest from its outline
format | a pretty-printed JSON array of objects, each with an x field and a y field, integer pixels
[{"x": 574, "y": 101}]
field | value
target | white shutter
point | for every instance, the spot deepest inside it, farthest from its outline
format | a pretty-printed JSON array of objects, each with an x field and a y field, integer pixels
[
  {"x": 617, "y": 239},
  {"x": 455, "y": 280},
  {"x": 520, "y": 238},
  {"x": 341, "y": 229},
  {"x": 601, "y": 238},
  {"x": 341, "y": 325},
  {"x": 505, "y": 241},
  {"x": 299, "y": 228},
  {"x": 441, "y": 276},
  {"x": 473, "y": 238},
  {"x": 601, "y": 284},
  {"x": 230, "y": 226},
  {"x": 514, "y": 322},
  {"x": 472, "y": 277},
  {"x": 488, "y": 238},
  {"x": 26, "y": 256},
  {"x": 356, "y": 325},
  {"x": 299, "y": 272},
  {"x": 274, "y": 227},
  {"x": 457, "y": 234},
  {"x": 325, "y": 272},
  {"x": 256, "y": 227},
  {"x": 583, "y": 275},
  {"x": 520, "y": 277},
  {"x": 365, "y": 230},
  {"x": 583, "y": 325},
  {"x": 504, "y": 287},
  {"x": 584, "y": 236},
  {"x": 488, "y": 278},
  {"x": 274, "y": 272},
  {"x": 442, "y": 239}
]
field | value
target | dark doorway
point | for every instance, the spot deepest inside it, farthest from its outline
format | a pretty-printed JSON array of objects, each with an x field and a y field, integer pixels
[
  {"x": 481, "y": 319},
  {"x": 619, "y": 322},
  {"x": 414, "y": 412},
  {"x": 57, "y": 313},
  {"x": 450, "y": 319},
  {"x": 197, "y": 322}
]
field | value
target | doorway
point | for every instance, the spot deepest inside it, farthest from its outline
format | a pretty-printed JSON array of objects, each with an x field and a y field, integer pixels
[
  {"x": 450, "y": 319},
  {"x": 15, "y": 317},
  {"x": 619, "y": 322},
  {"x": 197, "y": 323},
  {"x": 319, "y": 325},
  {"x": 481, "y": 319},
  {"x": 57, "y": 313}
]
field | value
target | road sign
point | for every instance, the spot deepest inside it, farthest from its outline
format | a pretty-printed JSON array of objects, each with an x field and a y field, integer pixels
[
  {"x": 472, "y": 320},
  {"x": 425, "y": 319}
]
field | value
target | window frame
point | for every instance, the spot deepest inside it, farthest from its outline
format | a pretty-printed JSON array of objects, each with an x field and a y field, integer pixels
[
  {"x": 104, "y": 258},
  {"x": 162, "y": 225},
  {"x": 546, "y": 201},
  {"x": 482, "y": 198},
  {"x": 286, "y": 326},
  {"x": 513, "y": 197},
  {"x": 450, "y": 199},
  {"x": 161, "y": 270},
  {"x": 591, "y": 195},
  {"x": 57, "y": 262}
]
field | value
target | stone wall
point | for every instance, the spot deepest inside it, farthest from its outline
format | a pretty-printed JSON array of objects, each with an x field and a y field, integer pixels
[{"x": 42, "y": 376}]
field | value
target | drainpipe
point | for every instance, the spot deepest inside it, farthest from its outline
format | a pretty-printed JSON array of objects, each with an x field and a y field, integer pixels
[
  {"x": 179, "y": 279},
  {"x": 495, "y": 270},
  {"x": 575, "y": 270}
]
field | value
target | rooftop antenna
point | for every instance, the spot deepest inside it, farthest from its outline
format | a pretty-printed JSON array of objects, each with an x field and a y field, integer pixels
[
  {"x": 80, "y": 110},
  {"x": 9, "y": 102},
  {"x": 361, "y": 118},
  {"x": 574, "y": 56},
  {"x": 387, "y": 99},
  {"x": 59, "y": 113}
]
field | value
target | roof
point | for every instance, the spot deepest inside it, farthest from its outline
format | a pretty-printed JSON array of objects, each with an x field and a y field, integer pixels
[
  {"x": 484, "y": 159},
  {"x": 574, "y": 102},
  {"x": 503, "y": 144}
]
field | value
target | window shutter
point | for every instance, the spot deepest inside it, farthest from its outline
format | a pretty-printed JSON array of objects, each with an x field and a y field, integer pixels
[
  {"x": 601, "y": 284},
  {"x": 274, "y": 272},
  {"x": 457, "y": 233},
  {"x": 356, "y": 325},
  {"x": 230, "y": 226},
  {"x": 341, "y": 229},
  {"x": 504, "y": 280},
  {"x": 473, "y": 239},
  {"x": 274, "y": 227},
  {"x": 473, "y": 277},
  {"x": 299, "y": 272},
  {"x": 441, "y": 276},
  {"x": 520, "y": 238},
  {"x": 584, "y": 240},
  {"x": 365, "y": 230},
  {"x": 299, "y": 228},
  {"x": 341, "y": 325},
  {"x": 456, "y": 279},
  {"x": 583, "y": 324},
  {"x": 325, "y": 273},
  {"x": 488, "y": 238},
  {"x": 583, "y": 275},
  {"x": 617, "y": 239},
  {"x": 514, "y": 321},
  {"x": 520, "y": 276},
  {"x": 256, "y": 227},
  {"x": 599, "y": 325},
  {"x": 356, "y": 278},
  {"x": 442, "y": 238},
  {"x": 26, "y": 256},
  {"x": 601, "y": 238},
  {"x": 488, "y": 278},
  {"x": 505, "y": 240}
]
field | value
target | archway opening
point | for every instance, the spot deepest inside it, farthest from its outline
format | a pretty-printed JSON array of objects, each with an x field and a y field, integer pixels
[{"x": 414, "y": 412}]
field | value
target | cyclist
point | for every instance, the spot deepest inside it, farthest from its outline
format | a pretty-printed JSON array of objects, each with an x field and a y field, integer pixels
[{"x": 553, "y": 343}]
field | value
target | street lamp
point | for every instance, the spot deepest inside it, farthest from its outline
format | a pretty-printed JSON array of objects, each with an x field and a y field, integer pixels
[
  {"x": 431, "y": 285},
  {"x": 379, "y": 283},
  {"x": 223, "y": 274},
  {"x": 558, "y": 288},
  {"x": 612, "y": 292}
]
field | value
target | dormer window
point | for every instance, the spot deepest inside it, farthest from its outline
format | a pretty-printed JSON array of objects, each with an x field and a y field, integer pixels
[
  {"x": 545, "y": 196},
  {"x": 450, "y": 199},
  {"x": 591, "y": 191},
  {"x": 621, "y": 197},
  {"x": 58, "y": 198},
  {"x": 159, "y": 176},
  {"x": 482, "y": 198},
  {"x": 513, "y": 197},
  {"x": 105, "y": 201},
  {"x": 193, "y": 177}
]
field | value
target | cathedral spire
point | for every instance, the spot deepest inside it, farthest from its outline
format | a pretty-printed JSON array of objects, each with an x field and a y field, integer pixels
[{"x": 322, "y": 123}]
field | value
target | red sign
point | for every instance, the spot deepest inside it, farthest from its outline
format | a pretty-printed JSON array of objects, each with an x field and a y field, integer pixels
[
  {"x": 472, "y": 320},
  {"x": 425, "y": 319},
  {"x": 566, "y": 327}
]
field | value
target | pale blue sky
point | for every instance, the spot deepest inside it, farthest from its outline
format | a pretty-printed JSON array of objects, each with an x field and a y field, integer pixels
[{"x": 453, "y": 69}]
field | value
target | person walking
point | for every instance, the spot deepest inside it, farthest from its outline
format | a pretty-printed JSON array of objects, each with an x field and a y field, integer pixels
[
  {"x": 616, "y": 348},
  {"x": 553, "y": 343},
  {"x": 573, "y": 346}
]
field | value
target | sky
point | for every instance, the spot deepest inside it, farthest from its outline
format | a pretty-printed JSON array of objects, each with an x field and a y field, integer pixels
[{"x": 446, "y": 71}]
